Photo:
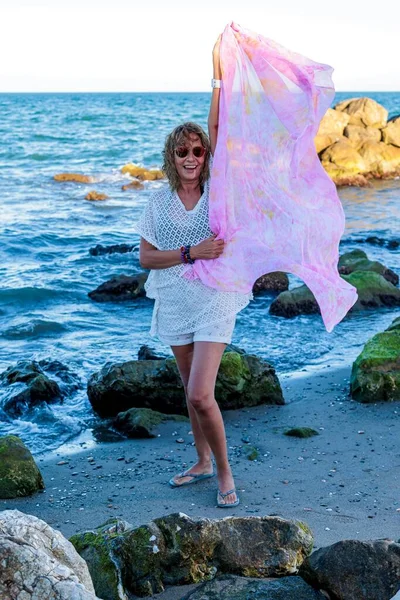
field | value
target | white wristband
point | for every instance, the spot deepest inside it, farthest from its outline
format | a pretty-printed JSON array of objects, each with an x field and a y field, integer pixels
[{"x": 215, "y": 83}]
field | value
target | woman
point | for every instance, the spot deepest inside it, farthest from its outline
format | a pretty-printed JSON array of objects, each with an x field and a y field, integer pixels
[{"x": 197, "y": 321}]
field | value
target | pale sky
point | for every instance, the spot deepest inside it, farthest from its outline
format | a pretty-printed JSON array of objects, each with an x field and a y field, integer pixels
[{"x": 166, "y": 45}]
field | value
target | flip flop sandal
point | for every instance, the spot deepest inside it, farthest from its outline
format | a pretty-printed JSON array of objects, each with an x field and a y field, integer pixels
[
  {"x": 196, "y": 477},
  {"x": 224, "y": 495}
]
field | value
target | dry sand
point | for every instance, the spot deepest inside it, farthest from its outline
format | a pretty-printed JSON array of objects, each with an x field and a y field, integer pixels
[{"x": 344, "y": 482}]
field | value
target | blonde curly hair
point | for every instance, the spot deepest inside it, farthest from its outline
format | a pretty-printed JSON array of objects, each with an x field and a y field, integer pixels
[{"x": 177, "y": 138}]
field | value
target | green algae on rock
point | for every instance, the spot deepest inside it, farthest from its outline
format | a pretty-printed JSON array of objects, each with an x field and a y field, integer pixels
[
  {"x": 19, "y": 474},
  {"x": 243, "y": 380},
  {"x": 142, "y": 422},
  {"x": 375, "y": 375},
  {"x": 357, "y": 260}
]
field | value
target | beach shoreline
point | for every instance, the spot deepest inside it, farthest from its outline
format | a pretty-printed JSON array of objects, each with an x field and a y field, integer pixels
[{"x": 343, "y": 483}]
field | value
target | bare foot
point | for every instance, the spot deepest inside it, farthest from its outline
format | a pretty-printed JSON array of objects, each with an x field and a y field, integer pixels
[
  {"x": 226, "y": 483},
  {"x": 198, "y": 468}
]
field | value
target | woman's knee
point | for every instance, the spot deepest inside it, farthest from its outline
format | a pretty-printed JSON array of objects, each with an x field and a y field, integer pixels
[{"x": 201, "y": 400}]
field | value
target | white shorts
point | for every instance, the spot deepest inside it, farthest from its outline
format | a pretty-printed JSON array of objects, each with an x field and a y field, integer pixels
[{"x": 217, "y": 332}]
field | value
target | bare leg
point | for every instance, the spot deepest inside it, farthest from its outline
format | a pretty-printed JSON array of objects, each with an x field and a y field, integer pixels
[
  {"x": 184, "y": 356},
  {"x": 203, "y": 374}
]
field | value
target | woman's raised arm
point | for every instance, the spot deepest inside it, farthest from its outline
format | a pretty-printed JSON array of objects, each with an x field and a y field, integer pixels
[{"x": 214, "y": 106}]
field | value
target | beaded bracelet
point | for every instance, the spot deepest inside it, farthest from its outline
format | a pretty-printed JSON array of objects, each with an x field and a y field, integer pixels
[{"x": 185, "y": 255}]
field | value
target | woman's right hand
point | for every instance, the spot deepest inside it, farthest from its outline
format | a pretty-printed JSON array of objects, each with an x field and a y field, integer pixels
[{"x": 208, "y": 248}]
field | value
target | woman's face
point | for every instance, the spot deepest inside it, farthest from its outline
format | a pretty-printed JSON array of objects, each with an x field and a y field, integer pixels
[{"x": 190, "y": 166}]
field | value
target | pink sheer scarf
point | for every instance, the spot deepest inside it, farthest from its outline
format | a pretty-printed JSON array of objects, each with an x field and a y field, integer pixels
[{"x": 270, "y": 198}]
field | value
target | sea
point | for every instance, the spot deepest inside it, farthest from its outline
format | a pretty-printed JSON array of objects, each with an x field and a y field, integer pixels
[{"x": 47, "y": 229}]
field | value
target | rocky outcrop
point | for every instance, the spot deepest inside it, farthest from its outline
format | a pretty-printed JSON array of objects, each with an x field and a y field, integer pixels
[
  {"x": 176, "y": 549},
  {"x": 391, "y": 244},
  {"x": 19, "y": 474},
  {"x": 147, "y": 353},
  {"x": 141, "y": 173},
  {"x": 38, "y": 562},
  {"x": 142, "y": 422},
  {"x": 120, "y": 288},
  {"x": 94, "y": 196},
  {"x": 357, "y": 260},
  {"x": 100, "y": 250},
  {"x": 351, "y": 570},
  {"x": 27, "y": 385},
  {"x": 356, "y": 143},
  {"x": 375, "y": 375},
  {"x": 275, "y": 282},
  {"x": 231, "y": 587},
  {"x": 243, "y": 380},
  {"x": 136, "y": 184},
  {"x": 76, "y": 177}
]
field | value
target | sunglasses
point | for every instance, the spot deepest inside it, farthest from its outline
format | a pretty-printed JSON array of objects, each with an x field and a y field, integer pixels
[{"x": 182, "y": 152}]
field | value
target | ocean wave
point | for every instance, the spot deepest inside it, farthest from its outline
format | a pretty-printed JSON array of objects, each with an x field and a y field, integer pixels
[
  {"x": 34, "y": 328},
  {"x": 30, "y": 294}
]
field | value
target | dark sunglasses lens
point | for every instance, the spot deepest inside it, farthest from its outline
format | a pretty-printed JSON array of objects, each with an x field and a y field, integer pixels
[
  {"x": 182, "y": 152},
  {"x": 198, "y": 151}
]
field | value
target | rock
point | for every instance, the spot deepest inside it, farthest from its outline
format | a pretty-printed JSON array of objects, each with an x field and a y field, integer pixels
[
  {"x": 375, "y": 375},
  {"x": 100, "y": 250},
  {"x": 357, "y": 135},
  {"x": 277, "y": 282},
  {"x": 96, "y": 548},
  {"x": 19, "y": 474},
  {"x": 93, "y": 195},
  {"x": 355, "y": 570},
  {"x": 363, "y": 112},
  {"x": 301, "y": 432},
  {"x": 147, "y": 353},
  {"x": 28, "y": 386},
  {"x": 252, "y": 453},
  {"x": 232, "y": 587},
  {"x": 136, "y": 184},
  {"x": 342, "y": 178},
  {"x": 382, "y": 160},
  {"x": 391, "y": 133},
  {"x": 177, "y": 549},
  {"x": 38, "y": 562},
  {"x": 74, "y": 177},
  {"x": 120, "y": 288},
  {"x": 141, "y": 173},
  {"x": 357, "y": 260},
  {"x": 243, "y": 380},
  {"x": 373, "y": 291},
  {"x": 142, "y": 422},
  {"x": 327, "y": 139},
  {"x": 341, "y": 158},
  {"x": 392, "y": 244},
  {"x": 333, "y": 122}
]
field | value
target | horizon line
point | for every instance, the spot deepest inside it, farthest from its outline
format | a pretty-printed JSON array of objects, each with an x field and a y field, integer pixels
[{"x": 170, "y": 92}]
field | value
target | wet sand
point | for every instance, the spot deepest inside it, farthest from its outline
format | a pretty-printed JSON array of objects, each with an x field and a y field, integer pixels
[{"x": 344, "y": 482}]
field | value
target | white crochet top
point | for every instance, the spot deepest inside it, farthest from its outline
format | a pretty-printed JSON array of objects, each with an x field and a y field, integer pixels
[{"x": 182, "y": 305}]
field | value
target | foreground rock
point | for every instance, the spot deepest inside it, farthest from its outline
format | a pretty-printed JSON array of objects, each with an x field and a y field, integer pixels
[
  {"x": 120, "y": 288},
  {"x": 374, "y": 291},
  {"x": 357, "y": 260},
  {"x": 176, "y": 549},
  {"x": 356, "y": 143},
  {"x": 375, "y": 375},
  {"x": 76, "y": 177},
  {"x": 243, "y": 380},
  {"x": 38, "y": 562},
  {"x": 354, "y": 570},
  {"x": 27, "y": 385},
  {"x": 231, "y": 587},
  {"x": 275, "y": 282},
  {"x": 19, "y": 474},
  {"x": 96, "y": 196},
  {"x": 143, "y": 422}
]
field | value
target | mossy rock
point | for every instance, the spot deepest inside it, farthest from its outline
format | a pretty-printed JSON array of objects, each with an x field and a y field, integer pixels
[
  {"x": 243, "y": 380},
  {"x": 357, "y": 260},
  {"x": 251, "y": 452},
  {"x": 19, "y": 474},
  {"x": 301, "y": 432},
  {"x": 143, "y": 422},
  {"x": 375, "y": 375}
]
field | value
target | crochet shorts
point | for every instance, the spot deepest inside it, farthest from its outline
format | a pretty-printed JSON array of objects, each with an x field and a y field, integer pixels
[{"x": 217, "y": 332}]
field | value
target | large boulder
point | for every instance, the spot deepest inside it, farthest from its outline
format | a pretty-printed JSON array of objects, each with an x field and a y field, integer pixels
[
  {"x": 355, "y": 570},
  {"x": 142, "y": 173},
  {"x": 341, "y": 157},
  {"x": 380, "y": 159},
  {"x": 232, "y": 587},
  {"x": 364, "y": 112},
  {"x": 374, "y": 291},
  {"x": 357, "y": 260},
  {"x": 357, "y": 135},
  {"x": 120, "y": 288},
  {"x": 38, "y": 562},
  {"x": 391, "y": 133},
  {"x": 19, "y": 474},
  {"x": 176, "y": 549},
  {"x": 333, "y": 122},
  {"x": 323, "y": 141},
  {"x": 27, "y": 385},
  {"x": 375, "y": 375},
  {"x": 273, "y": 282},
  {"x": 243, "y": 380}
]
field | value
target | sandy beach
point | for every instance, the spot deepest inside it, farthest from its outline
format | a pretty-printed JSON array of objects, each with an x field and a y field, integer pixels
[{"x": 344, "y": 482}]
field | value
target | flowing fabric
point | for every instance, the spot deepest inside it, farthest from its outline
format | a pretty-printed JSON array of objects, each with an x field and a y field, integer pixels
[{"x": 270, "y": 198}]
